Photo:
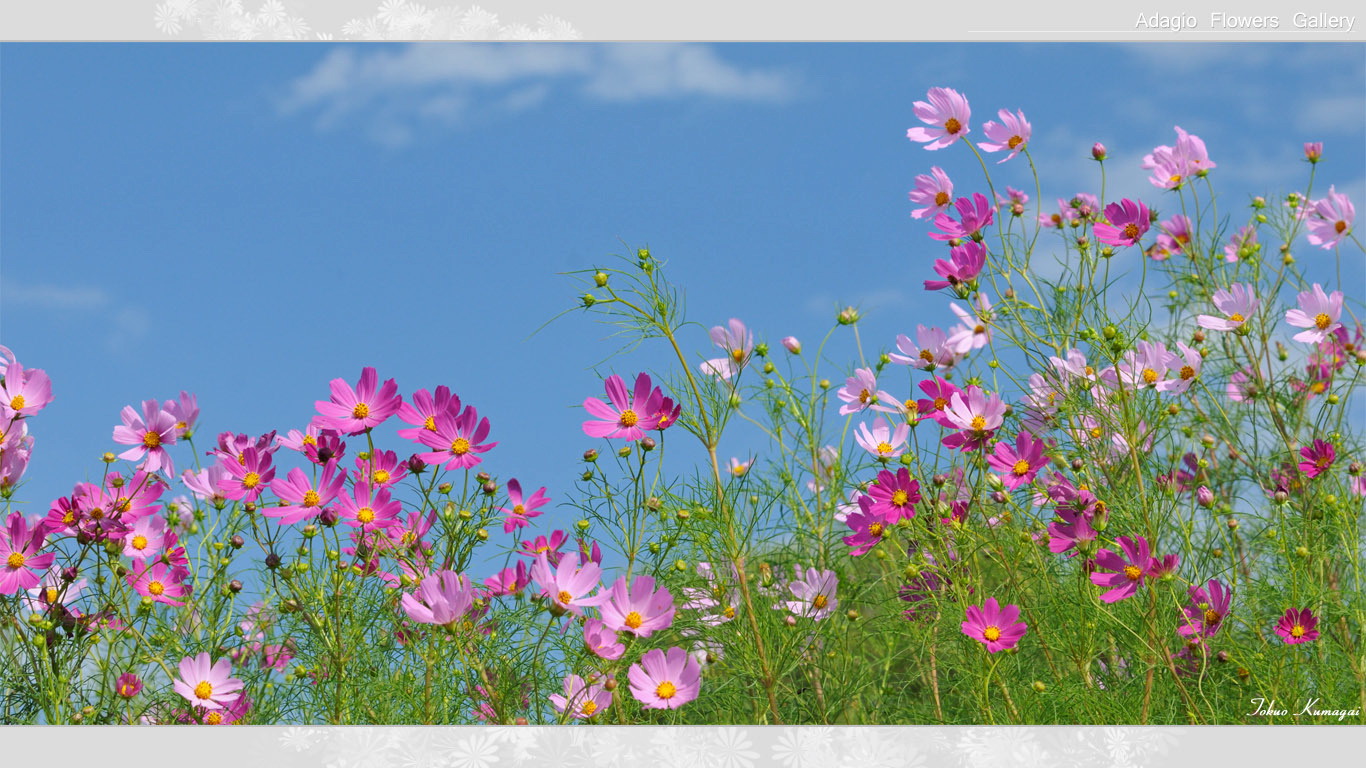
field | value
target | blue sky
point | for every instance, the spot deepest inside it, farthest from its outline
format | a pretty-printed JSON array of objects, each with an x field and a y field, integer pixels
[{"x": 247, "y": 222}]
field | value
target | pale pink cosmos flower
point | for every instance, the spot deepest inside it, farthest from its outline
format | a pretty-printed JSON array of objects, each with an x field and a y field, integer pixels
[
  {"x": 665, "y": 680},
  {"x": 1173, "y": 235},
  {"x": 882, "y": 441},
  {"x": 738, "y": 343},
  {"x": 1171, "y": 166},
  {"x": 974, "y": 333},
  {"x": 443, "y": 598},
  {"x": 581, "y": 700},
  {"x": 569, "y": 585},
  {"x": 860, "y": 393},
  {"x": 641, "y": 611},
  {"x": 1313, "y": 151},
  {"x": 739, "y": 468},
  {"x": 629, "y": 416},
  {"x": 791, "y": 344},
  {"x": 208, "y": 484},
  {"x": 1330, "y": 219},
  {"x": 930, "y": 350},
  {"x": 354, "y": 411},
  {"x": 1242, "y": 244},
  {"x": 1238, "y": 304},
  {"x": 20, "y": 563},
  {"x": 23, "y": 393},
  {"x": 1147, "y": 365},
  {"x": 934, "y": 191},
  {"x": 149, "y": 434},
  {"x": 1242, "y": 386},
  {"x": 977, "y": 415},
  {"x": 601, "y": 641},
  {"x": 947, "y": 113},
  {"x": 185, "y": 411},
  {"x": 1318, "y": 312},
  {"x": 145, "y": 539},
  {"x": 205, "y": 684},
  {"x": 1185, "y": 374},
  {"x": 814, "y": 591},
  {"x": 1012, "y": 133}
]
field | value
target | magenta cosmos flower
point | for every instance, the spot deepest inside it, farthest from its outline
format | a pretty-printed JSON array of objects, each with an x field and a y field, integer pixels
[
  {"x": 20, "y": 564},
  {"x": 1018, "y": 464},
  {"x": 1127, "y": 222},
  {"x": 581, "y": 699},
  {"x": 1209, "y": 606},
  {"x": 568, "y": 584},
  {"x": 160, "y": 582},
  {"x": 868, "y": 525},
  {"x": 895, "y": 495},
  {"x": 423, "y": 411},
  {"x": 1012, "y": 133},
  {"x": 248, "y": 476},
  {"x": 642, "y": 611},
  {"x": 964, "y": 265},
  {"x": 305, "y": 498},
  {"x": 934, "y": 191},
  {"x": 737, "y": 342},
  {"x": 1298, "y": 626},
  {"x": 629, "y": 416},
  {"x": 458, "y": 440},
  {"x": 148, "y": 434},
  {"x": 367, "y": 507},
  {"x": 521, "y": 509},
  {"x": 1317, "y": 458},
  {"x": 1238, "y": 304},
  {"x": 23, "y": 393},
  {"x": 815, "y": 593},
  {"x": 128, "y": 685},
  {"x": 1127, "y": 571},
  {"x": 1318, "y": 312},
  {"x": 973, "y": 215},
  {"x": 1330, "y": 219},
  {"x": 946, "y": 113},
  {"x": 207, "y": 685},
  {"x": 882, "y": 441},
  {"x": 860, "y": 393},
  {"x": 999, "y": 629},
  {"x": 665, "y": 680},
  {"x": 353, "y": 411}
]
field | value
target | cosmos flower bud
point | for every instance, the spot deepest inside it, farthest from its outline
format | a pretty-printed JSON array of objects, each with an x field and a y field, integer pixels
[
  {"x": 272, "y": 561},
  {"x": 790, "y": 620},
  {"x": 490, "y": 488},
  {"x": 1313, "y": 151},
  {"x": 625, "y": 451},
  {"x": 600, "y": 279},
  {"x": 1204, "y": 497},
  {"x": 329, "y": 517},
  {"x": 109, "y": 457},
  {"x": 761, "y": 349},
  {"x": 588, "y": 300},
  {"x": 647, "y": 444},
  {"x": 415, "y": 465},
  {"x": 1038, "y": 684},
  {"x": 234, "y": 586},
  {"x": 791, "y": 344},
  {"x": 590, "y": 455},
  {"x": 1077, "y": 465},
  {"x": 237, "y": 542},
  {"x": 999, "y": 497},
  {"x": 1098, "y": 151},
  {"x": 848, "y": 316}
]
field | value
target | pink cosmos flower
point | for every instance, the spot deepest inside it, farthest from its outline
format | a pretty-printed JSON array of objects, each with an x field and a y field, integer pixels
[
  {"x": 145, "y": 539},
  {"x": 207, "y": 685},
  {"x": 581, "y": 700},
  {"x": 149, "y": 434},
  {"x": 1298, "y": 626},
  {"x": 882, "y": 441},
  {"x": 947, "y": 113},
  {"x": 1012, "y": 133},
  {"x": 975, "y": 332},
  {"x": 20, "y": 563},
  {"x": 128, "y": 685},
  {"x": 23, "y": 392},
  {"x": 550, "y": 547},
  {"x": 1147, "y": 365},
  {"x": 978, "y": 416},
  {"x": 737, "y": 342},
  {"x": 509, "y": 581},
  {"x": 1171, "y": 166},
  {"x": 999, "y": 629},
  {"x": 159, "y": 582},
  {"x": 1313, "y": 151},
  {"x": 739, "y": 468},
  {"x": 1127, "y": 571},
  {"x": 354, "y": 411},
  {"x": 629, "y": 416},
  {"x": 569, "y": 585},
  {"x": 1317, "y": 458},
  {"x": 1015, "y": 199},
  {"x": 306, "y": 498},
  {"x": 601, "y": 641},
  {"x": 1318, "y": 312},
  {"x": 382, "y": 469},
  {"x": 1018, "y": 465},
  {"x": 521, "y": 510},
  {"x": 1330, "y": 220},
  {"x": 934, "y": 191},
  {"x": 1186, "y": 374},
  {"x": 1173, "y": 236},
  {"x": 936, "y": 406},
  {"x": 791, "y": 344},
  {"x": 1209, "y": 606},
  {"x": 248, "y": 478},
  {"x": 860, "y": 393},
  {"x": 665, "y": 680},
  {"x": 961, "y": 270},
  {"x": 325, "y": 447},
  {"x": 930, "y": 350},
  {"x": 1127, "y": 223},
  {"x": 869, "y": 527},
  {"x": 974, "y": 215},
  {"x": 895, "y": 495},
  {"x": 458, "y": 440},
  {"x": 442, "y": 598},
  {"x": 1073, "y": 530},
  {"x": 423, "y": 411},
  {"x": 1238, "y": 304},
  {"x": 1242, "y": 244},
  {"x": 815, "y": 593},
  {"x": 209, "y": 484},
  {"x": 366, "y": 507},
  {"x": 642, "y": 611},
  {"x": 185, "y": 411}
]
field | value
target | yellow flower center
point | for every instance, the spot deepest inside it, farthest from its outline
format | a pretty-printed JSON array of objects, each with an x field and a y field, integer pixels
[
  {"x": 1133, "y": 572},
  {"x": 123, "y": 504},
  {"x": 588, "y": 708},
  {"x": 1237, "y": 318},
  {"x": 1322, "y": 321},
  {"x": 1096, "y": 432},
  {"x": 979, "y": 328},
  {"x": 875, "y": 529},
  {"x": 1021, "y": 468},
  {"x": 15, "y": 560},
  {"x": 1297, "y": 631},
  {"x": 1187, "y": 372},
  {"x": 666, "y": 690},
  {"x": 381, "y": 476},
  {"x": 1340, "y": 227},
  {"x": 941, "y": 198},
  {"x": 884, "y": 448},
  {"x": 899, "y": 498},
  {"x": 51, "y": 595},
  {"x": 564, "y": 597},
  {"x": 139, "y": 542},
  {"x": 729, "y": 612},
  {"x": 952, "y": 125},
  {"x": 1014, "y": 142},
  {"x": 182, "y": 426},
  {"x": 1131, "y": 231},
  {"x": 312, "y": 498},
  {"x": 911, "y": 406},
  {"x": 979, "y": 423},
  {"x": 365, "y": 515},
  {"x": 68, "y": 517},
  {"x": 361, "y": 411},
  {"x": 1149, "y": 375},
  {"x": 204, "y": 690},
  {"x": 17, "y": 402},
  {"x": 634, "y": 620},
  {"x": 1212, "y": 616},
  {"x": 96, "y": 513},
  {"x": 992, "y": 633},
  {"x": 738, "y": 355},
  {"x": 151, "y": 440},
  {"x": 156, "y": 588},
  {"x": 1318, "y": 387},
  {"x": 251, "y": 480},
  {"x": 429, "y": 423},
  {"x": 820, "y": 601},
  {"x": 460, "y": 446},
  {"x": 310, "y": 440},
  {"x": 629, "y": 418},
  {"x": 940, "y": 403},
  {"x": 213, "y": 718}
]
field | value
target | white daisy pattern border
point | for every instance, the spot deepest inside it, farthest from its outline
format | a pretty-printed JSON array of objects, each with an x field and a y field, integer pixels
[{"x": 391, "y": 20}]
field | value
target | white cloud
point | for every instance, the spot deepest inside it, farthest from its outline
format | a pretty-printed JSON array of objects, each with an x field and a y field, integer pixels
[
  {"x": 57, "y": 297},
  {"x": 446, "y": 82}
]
